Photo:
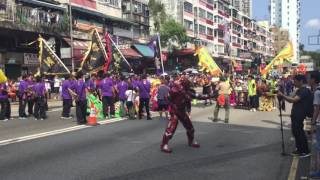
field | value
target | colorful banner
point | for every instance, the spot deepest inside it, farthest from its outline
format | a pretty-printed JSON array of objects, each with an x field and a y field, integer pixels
[
  {"x": 207, "y": 63},
  {"x": 286, "y": 54},
  {"x": 50, "y": 63},
  {"x": 95, "y": 57}
]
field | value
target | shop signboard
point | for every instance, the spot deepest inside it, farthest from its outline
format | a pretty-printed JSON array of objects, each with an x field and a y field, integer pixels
[{"x": 30, "y": 59}]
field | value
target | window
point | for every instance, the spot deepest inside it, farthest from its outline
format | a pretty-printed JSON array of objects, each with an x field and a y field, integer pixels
[
  {"x": 218, "y": 19},
  {"x": 210, "y": 16},
  {"x": 114, "y": 3},
  {"x": 210, "y": 31},
  {"x": 202, "y": 13},
  {"x": 188, "y": 25},
  {"x": 202, "y": 29},
  {"x": 188, "y": 7}
]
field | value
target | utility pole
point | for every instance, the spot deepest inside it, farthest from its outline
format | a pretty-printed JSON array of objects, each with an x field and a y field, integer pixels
[{"x": 71, "y": 35}]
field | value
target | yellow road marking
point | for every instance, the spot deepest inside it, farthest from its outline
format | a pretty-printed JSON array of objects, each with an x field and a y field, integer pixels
[{"x": 294, "y": 168}]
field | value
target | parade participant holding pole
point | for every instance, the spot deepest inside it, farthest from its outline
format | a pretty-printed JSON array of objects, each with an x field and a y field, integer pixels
[
  {"x": 39, "y": 90},
  {"x": 23, "y": 86},
  {"x": 66, "y": 97},
  {"x": 122, "y": 87},
  {"x": 107, "y": 89},
  {"x": 144, "y": 93},
  {"x": 5, "y": 113}
]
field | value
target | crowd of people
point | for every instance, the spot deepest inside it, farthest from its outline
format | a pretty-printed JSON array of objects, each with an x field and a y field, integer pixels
[{"x": 169, "y": 95}]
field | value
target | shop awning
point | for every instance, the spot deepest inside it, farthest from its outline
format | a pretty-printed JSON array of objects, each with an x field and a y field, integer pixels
[
  {"x": 45, "y": 4},
  {"x": 144, "y": 50},
  {"x": 183, "y": 52},
  {"x": 79, "y": 48},
  {"x": 130, "y": 53}
]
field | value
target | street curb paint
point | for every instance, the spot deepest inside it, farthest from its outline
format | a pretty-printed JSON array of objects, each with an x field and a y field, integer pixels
[{"x": 294, "y": 168}]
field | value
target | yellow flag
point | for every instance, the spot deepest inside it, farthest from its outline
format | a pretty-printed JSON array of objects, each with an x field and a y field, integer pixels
[
  {"x": 207, "y": 63},
  {"x": 3, "y": 77},
  {"x": 285, "y": 54}
]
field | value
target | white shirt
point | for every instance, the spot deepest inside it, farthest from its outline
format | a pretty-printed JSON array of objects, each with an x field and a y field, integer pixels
[
  {"x": 57, "y": 82},
  {"x": 130, "y": 94}
]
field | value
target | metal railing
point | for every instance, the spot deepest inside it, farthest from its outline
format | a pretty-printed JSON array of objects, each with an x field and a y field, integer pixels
[{"x": 34, "y": 19}]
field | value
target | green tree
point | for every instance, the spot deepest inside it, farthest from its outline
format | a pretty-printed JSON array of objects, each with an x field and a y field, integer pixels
[
  {"x": 158, "y": 14},
  {"x": 173, "y": 35}
]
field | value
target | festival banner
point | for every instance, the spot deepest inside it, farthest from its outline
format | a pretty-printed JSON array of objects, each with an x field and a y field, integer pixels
[
  {"x": 207, "y": 63},
  {"x": 50, "y": 63},
  {"x": 286, "y": 54},
  {"x": 95, "y": 57}
]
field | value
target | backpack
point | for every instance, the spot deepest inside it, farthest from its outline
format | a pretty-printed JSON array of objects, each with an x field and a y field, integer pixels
[{"x": 309, "y": 107}]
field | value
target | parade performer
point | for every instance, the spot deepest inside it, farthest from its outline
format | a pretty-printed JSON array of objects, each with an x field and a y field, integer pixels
[{"x": 179, "y": 95}]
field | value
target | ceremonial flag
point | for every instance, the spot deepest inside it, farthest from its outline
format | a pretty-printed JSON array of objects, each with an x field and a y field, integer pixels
[
  {"x": 154, "y": 45},
  {"x": 207, "y": 63},
  {"x": 50, "y": 63},
  {"x": 286, "y": 54},
  {"x": 3, "y": 77},
  {"x": 109, "y": 52},
  {"x": 95, "y": 57}
]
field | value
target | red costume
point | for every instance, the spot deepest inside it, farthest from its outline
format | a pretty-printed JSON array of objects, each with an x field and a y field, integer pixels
[{"x": 180, "y": 95}]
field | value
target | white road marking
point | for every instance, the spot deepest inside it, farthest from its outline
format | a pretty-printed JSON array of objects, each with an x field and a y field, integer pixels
[
  {"x": 55, "y": 132},
  {"x": 294, "y": 168}
]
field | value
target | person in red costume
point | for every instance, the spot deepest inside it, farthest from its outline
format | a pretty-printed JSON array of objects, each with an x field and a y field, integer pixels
[{"x": 180, "y": 94}]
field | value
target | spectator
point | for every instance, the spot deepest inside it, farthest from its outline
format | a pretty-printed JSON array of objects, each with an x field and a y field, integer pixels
[
  {"x": 299, "y": 112},
  {"x": 144, "y": 92},
  {"x": 131, "y": 95},
  {"x": 4, "y": 102},
  {"x": 162, "y": 96},
  {"x": 107, "y": 92}
]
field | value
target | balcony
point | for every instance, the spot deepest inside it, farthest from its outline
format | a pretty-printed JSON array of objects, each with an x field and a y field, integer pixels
[
  {"x": 209, "y": 22},
  {"x": 25, "y": 18},
  {"x": 220, "y": 27},
  {"x": 236, "y": 20},
  {"x": 221, "y": 40},
  {"x": 236, "y": 45},
  {"x": 210, "y": 37}
]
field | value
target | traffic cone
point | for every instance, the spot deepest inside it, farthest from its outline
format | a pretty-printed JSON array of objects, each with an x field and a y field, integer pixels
[{"x": 92, "y": 121}]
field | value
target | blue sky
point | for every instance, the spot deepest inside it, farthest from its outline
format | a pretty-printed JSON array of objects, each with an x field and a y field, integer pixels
[{"x": 310, "y": 18}]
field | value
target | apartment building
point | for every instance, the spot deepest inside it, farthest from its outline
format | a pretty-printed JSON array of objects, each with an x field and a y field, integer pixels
[
  {"x": 21, "y": 22},
  {"x": 286, "y": 14},
  {"x": 227, "y": 32}
]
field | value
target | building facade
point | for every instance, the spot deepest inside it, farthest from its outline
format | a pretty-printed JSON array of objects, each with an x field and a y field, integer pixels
[
  {"x": 286, "y": 14},
  {"x": 226, "y": 32},
  {"x": 21, "y": 22},
  {"x": 281, "y": 38}
]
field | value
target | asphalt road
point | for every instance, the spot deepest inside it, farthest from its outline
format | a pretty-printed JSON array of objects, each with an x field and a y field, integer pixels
[{"x": 247, "y": 149}]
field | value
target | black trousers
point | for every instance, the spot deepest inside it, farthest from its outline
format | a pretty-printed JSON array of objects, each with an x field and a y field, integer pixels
[
  {"x": 22, "y": 107},
  {"x": 81, "y": 111},
  {"x": 31, "y": 103},
  {"x": 39, "y": 108},
  {"x": 299, "y": 134},
  {"x": 144, "y": 102},
  {"x": 5, "y": 112},
  {"x": 66, "y": 107},
  {"x": 108, "y": 101},
  {"x": 253, "y": 101}
]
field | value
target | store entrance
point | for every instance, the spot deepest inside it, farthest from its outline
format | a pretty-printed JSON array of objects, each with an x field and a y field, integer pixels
[{"x": 13, "y": 71}]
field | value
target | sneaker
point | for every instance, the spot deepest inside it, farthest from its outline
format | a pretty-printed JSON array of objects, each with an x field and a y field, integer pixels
[
  {"x": 226, "y": 121},
  {"x": 165, "y": 148},
  {"x": 149, "y": 118},
  {"x": 5, "y": 120},
  {"x": 41, "y": 119},
  {"x": 315, "y": 175},
  {"x": 36, "y": 119},
  {"x": 254, "y": 110},
  {"x": 194, "y": 144},
  {"x": 21, "y": 118}
]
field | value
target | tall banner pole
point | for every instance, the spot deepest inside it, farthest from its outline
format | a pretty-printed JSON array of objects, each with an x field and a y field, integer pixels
[
  {"x": 71, "y": 36},
  {"x": 160, "y": 48},
  {"x": 119, "y": 51}
]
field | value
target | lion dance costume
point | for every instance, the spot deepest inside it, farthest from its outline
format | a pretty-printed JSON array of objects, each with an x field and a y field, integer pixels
[{"x": 181, "y": 95}]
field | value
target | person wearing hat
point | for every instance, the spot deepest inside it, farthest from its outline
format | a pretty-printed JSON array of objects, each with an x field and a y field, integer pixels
[{"x": 223, "y": 90}]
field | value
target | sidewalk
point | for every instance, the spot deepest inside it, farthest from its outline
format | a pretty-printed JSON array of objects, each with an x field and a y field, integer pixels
[{"x": 52, "y": 103}]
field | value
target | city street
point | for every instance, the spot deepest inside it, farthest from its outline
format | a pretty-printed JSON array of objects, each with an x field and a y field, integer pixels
[{"x": 248, "y": 148}]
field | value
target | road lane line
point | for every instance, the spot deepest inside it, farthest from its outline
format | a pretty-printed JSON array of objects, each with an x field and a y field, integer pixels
[
  {"x": 294, "y": 168},
  {"x": 55, "y": 132}
]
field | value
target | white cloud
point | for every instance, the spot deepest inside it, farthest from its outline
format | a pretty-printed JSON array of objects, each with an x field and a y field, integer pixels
[{"x": 313, "y": 23}]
